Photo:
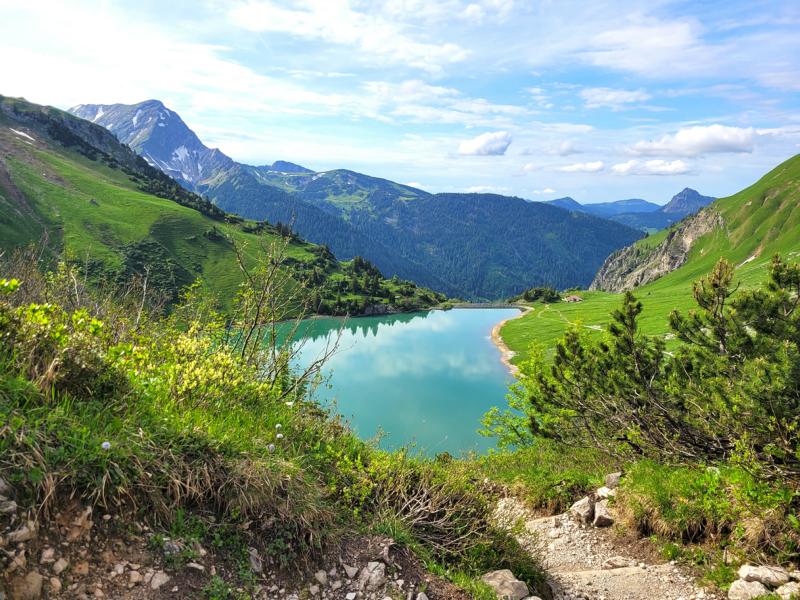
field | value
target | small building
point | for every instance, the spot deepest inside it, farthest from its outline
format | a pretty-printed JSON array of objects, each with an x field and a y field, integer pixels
[{"x": 573, "y": 298}]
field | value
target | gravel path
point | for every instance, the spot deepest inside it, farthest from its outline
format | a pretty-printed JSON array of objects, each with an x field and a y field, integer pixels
[{"x": 583, "y": 562}]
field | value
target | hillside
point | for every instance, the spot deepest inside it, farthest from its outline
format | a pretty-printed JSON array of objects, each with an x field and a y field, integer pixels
[
  {"x": 403, "y": 230},
  {"x": 747, "y": 228},
  {"x": 73, "y": 184},
  {"x": 641, "y": 214}
]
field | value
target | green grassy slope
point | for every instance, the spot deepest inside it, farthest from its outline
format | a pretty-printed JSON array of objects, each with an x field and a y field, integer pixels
[
  {"x": 88, "y": 207},
  {"x": 760, "y": 221}
]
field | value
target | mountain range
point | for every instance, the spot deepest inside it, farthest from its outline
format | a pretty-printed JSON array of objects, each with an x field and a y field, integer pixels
[
  {"x": 70, "y": 186},
  {"x": 639, "y": 213},
  {"x": 475, "y": 246}
]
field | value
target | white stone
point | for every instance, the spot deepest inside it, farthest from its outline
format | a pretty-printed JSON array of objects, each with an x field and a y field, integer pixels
[
  {"x": 582, "y": 510},
  {"x": 350, "y": 596},
  {"x": 59, "y": 566},
  {"x": 746, "y": 590},
  {"x": 160, "y": 578},
  {"x": 789, "y": 590},
  {"x": 321, "y": 577},
  {"x": 606, "y": 492},
  {"x": 351, "y": 571},
  {"x": 602, "y": 515},
  {"x": 769, "y": 576},
  {"x": 372, "y": 576},
  {"x": 618, "y": 562},
  {"x": 505, "y": 585}
]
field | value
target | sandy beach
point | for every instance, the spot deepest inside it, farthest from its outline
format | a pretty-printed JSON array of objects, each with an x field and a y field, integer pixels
[{"x": 506, "y": 353}]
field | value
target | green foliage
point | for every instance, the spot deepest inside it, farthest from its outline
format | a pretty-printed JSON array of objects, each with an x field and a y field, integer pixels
[
  {"x": 731, "y": 391},
  {"x": 759, "y": 222},
  {"x": 546, "y": 295}
]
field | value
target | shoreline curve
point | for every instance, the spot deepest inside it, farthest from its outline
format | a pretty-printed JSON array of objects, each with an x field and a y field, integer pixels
[{"x": 506, "y": 353}]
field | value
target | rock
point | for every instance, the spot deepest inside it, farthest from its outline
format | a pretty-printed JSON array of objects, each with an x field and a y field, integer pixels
[
  {"x": 350, "y": 596},
  {"x": 134, "y": 578},
  {"x": 746, "y": 590},
  {"x": 28, "y": 587},
  {"x": 351, "y": 571},
  {"x": 606, "y": 492},
  {"x": 769, "y": 576},
  {"x": 794, "y": 575},
  {"x": 48, "y": 556},
  {"x": 602, "y": 516},
  {"x": 321, "y": 577},
  {"x": 422, "y": 596},
  {"x": 314, "y": 590},
  {"x": 789, "y": 590},
  {"x": 618, "y": 562},
  {"x": 583, "y": 510},
  {"x": 372, "y": 576},
  {"x": 82, "y": 568},
  {"x": 256, "y": 564},
  {"x": 24, "y": 534},
  {"x": 8, "y": 507},
  {"x": 195, "y": 566},
  {"x": 505, "y": 585},
  {"x": 55, "y": 585},
  {"x": 159, "y": 578},
  {"x": 59, "y": 566},
  {"x": 613, "y": 479},
  {"x": 336, "y": 585},
  {"x": 171, "y": 548}
]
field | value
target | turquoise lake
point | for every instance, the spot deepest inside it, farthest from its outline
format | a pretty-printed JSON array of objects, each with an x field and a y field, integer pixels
[{"x": 422, "y": 378}]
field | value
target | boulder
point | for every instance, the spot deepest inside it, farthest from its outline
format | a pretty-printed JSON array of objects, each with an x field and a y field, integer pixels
[
  {"x": 372, "y": 576},
  {"x": 505, "y": 585},
  {"x": 583, "y": 510},
  {"x": 746, "y": 590},
  {"x": 602, "y": 515},
  {"x": 789, "y": 590},
  {"x": 770, "y": 576},
  {"x": 613, "y": 479}
]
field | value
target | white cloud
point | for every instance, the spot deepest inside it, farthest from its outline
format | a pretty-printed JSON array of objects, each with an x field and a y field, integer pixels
[
  {"x": 585, "y": 167},
  {"x": 493, "y": 143},
  {"x": 611, "y": 98},
  {"x": 544, "y": 191},
  {"x": 651, "y": 167},
  {"x": 700, "y": 139},
  {"x": 335, "y": 22},
  {"x": 530, "y": 167},
  {"x": 565, "y": 148}
]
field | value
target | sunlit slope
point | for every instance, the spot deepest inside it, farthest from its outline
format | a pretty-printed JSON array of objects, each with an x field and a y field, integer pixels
[
  {"x": 759, "y": 221},
  {"x": 95, "y": 213}
]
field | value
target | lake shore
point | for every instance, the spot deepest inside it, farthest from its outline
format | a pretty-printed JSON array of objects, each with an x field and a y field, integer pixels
[{"x": 506, "y": 353}]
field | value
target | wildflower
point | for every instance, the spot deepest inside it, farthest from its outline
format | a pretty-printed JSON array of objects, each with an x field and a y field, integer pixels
[
  {"x": 279, "y": 436},
  {"x": 271, "y": 447},
  {"x": 290, "y": 404},
  {"x": 106, "y": 445},
  {"x": 278, "y": 426}
]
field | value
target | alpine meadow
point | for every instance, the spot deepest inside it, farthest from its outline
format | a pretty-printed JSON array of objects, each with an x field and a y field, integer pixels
[{"x": 399, "y": 300}]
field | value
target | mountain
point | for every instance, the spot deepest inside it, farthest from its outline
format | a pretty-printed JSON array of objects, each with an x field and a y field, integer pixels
[
  {"x": 686, "y": 202},
  {"x": 641, "y": 214},
  {"x": 430, "y": 238},
  {"x": 94, "y": 201},
  {"x": 748, "y": 227}
]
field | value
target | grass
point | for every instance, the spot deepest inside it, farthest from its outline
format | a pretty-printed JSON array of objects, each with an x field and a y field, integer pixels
[
  {"x": 760, "y": 221},
  {"x": 159, "y": 421}
]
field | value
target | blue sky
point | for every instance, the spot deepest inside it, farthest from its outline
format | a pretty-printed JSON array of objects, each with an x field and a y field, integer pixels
[{"x": 596, "y": 100}]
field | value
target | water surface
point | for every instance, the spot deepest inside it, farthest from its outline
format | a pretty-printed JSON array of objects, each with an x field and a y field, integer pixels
[{"x": 424, "y": 377}]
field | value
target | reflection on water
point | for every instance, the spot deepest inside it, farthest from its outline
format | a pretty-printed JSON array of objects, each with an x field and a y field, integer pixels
[{"x": 425, "y": 378}]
